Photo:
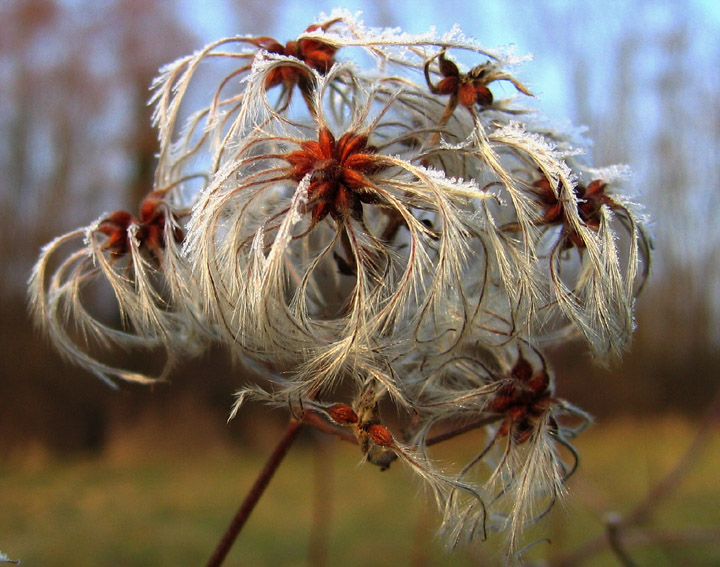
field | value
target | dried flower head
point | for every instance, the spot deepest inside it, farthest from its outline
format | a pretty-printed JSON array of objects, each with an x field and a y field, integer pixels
[
  {"x": 140, "y": 260},
  {"x": 311, "y": 243},
  {"x": 508, "y": 392},
  {"x": 370, "y": 239}
]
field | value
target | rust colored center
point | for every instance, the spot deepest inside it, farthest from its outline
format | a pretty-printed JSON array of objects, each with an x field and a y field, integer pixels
[{"x": 338, "y": 170}]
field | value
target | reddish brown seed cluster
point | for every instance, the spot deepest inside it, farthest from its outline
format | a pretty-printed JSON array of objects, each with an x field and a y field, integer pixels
[
  {"x": 338, "y": 172},
  {"x": 591, "y": 198},
  {"x": 315, "y": 53},
  {"x": 375, "y": 440},
  {"x": 524, "y": 397},
  {"x": 342, "y": 414},
  {"x": 151, "y": 227},
  {"x": 116, "y": 228},
  {"x": 467, "y": 89},
  {"x": 380, "y": 435}
]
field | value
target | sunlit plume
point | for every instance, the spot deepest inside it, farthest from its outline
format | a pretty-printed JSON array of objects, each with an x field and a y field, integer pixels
[{"x": 361, "y": 215}]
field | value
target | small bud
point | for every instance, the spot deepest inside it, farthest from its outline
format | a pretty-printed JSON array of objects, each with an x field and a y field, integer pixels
[
  {"x": 380, "y": 435},
  {"x": 342, "y": 414}
]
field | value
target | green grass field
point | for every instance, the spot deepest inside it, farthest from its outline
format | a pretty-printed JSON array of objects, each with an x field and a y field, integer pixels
[{"x": 155, "y": 505}]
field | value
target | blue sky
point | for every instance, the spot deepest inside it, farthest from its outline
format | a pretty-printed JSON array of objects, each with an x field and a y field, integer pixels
[
  {"x": 556, "y": 32},
  {"x": 536, "y": 28}
]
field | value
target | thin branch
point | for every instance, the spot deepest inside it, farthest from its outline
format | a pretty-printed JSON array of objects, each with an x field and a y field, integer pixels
[
  {"x": 613, "y": 538},
  {"x": 314, "y": 419},
  {"x": 253, "y": 496},
  {"x": 644, "y": 509},
  {"x": 452, "y": 433},
  {"x": 634, "y": 538},
  {"x": 672, "y": 479}
]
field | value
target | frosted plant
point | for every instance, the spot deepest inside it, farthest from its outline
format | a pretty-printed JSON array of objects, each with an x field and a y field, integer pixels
[
  {"x": 368, "y": 223},
  {"x": 311, "y": 245},
  {"x": 208, "y": 131},
  {"x": 508, "y": 390},
  {"x": 140, "y": 260}
]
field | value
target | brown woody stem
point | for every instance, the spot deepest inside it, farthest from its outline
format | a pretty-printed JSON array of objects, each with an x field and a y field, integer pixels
[
  {"x": 257, "y": 490},
  {"x": 319, "y": 423}
]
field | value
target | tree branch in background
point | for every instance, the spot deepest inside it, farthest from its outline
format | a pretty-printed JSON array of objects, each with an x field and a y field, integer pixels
[{"x": 621, "y": 531}]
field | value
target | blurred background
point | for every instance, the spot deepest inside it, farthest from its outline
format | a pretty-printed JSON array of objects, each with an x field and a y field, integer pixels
[{"x": 76, "y": 141}]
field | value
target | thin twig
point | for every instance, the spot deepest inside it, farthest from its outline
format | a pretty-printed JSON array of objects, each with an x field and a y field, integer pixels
[
  {"x": 273, "y": 462},
  {"x": 314, "y": 419},
  {"x": 672, "y": 479},
  {"x": 257, "y": 490},
  {"x": 661, "y": 490},
  {"x": 613, "y": 537},
  {"x": 452, "y": 433}
]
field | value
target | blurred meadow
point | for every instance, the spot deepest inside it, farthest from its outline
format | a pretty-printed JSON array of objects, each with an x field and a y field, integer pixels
[
  {"x": 138, "y": 476},
  {"x": 151, "y": 501}
]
